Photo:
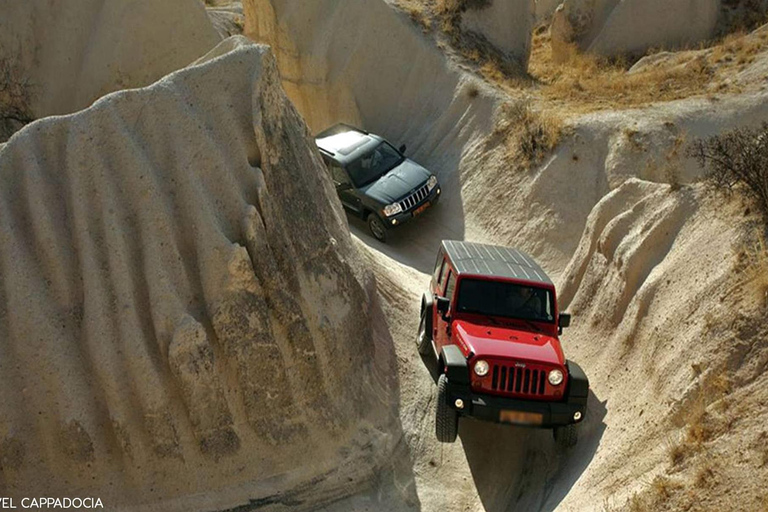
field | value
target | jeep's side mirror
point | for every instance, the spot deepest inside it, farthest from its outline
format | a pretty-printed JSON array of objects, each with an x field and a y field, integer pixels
[
  {"x": 443, "y": 306},
  {"x": 564, "y": 320},
  {"x": 401, "y": 149}
]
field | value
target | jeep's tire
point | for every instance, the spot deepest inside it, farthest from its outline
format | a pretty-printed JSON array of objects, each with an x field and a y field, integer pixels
[
  {"x": 424, "y": 338},
  {"x": 446, "y": 418},
  {"x": 377, "y": 228},
  {"x": 566, "y": 437}
]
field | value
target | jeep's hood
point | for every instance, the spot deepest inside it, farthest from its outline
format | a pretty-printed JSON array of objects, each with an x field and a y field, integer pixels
[
  {"x": 398, "y": 182},
  {"x": 508, "y": 342}
]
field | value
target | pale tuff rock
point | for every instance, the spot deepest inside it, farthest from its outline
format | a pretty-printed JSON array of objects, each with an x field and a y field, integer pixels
[
  {"x": 618, "y": 27},
  {"x": 181, "y": 310},
  {"x": 507, "y": 24},
  {"x": 76, "y": 51}
]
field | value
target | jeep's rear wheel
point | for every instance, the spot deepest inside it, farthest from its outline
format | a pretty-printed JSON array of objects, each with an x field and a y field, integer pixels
[
  {"x": 424, "y": 339},
  {"x": 377, "y": 228},
  {"x": 446, "y": 418},
  {"x": 566, "y": 437}
]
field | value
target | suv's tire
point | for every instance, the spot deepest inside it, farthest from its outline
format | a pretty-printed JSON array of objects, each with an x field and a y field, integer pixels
[
  {"x": 377, "y": 228},
  {"x": 424, "y": 338},
  {"x": 566, "y": 437},
  {"x": 446, "y": 418}
]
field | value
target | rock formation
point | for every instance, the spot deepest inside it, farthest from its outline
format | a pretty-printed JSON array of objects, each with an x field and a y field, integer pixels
[
  {"x": 181, "y": 311},
  {"x": 507, "y": 24},
  {"x": 619, "y": 27},
  {"x": 71, "y": 53}
]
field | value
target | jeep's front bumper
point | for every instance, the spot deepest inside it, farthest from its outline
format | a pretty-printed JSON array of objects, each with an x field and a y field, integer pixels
[
  {"x": 401, "y": 218},
  {"x": 508, "y": 410}
]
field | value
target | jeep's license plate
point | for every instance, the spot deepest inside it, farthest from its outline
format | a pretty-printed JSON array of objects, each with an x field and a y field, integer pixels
[
  {"x": 421, "y": 209},
  {"x": 521, "y": 418}
]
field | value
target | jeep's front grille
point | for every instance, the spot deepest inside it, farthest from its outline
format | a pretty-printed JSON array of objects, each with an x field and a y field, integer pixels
[
  {"x": 415, "y": 198},
  {"x": 520, "y": 381}
]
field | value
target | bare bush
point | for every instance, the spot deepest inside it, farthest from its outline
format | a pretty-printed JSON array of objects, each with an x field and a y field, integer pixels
[
  {"x": 737, "y": 159},
  {"x": 15, "y": 98},
  {"x": 530, "y": 135}
]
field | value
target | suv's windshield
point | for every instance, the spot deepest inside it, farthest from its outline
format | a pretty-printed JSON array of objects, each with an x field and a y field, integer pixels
[
  {"x": 495, "y": 298},
  {"x": 373, "y": 164}
]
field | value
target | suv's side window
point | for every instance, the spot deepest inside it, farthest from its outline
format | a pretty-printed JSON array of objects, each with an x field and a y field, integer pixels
[
  {"x": 450, "y": 285},
  {"x": 338, "y": 174}
]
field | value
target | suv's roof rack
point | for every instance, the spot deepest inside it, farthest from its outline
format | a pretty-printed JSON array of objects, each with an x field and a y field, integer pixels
[{"x": 339, "y": 128}]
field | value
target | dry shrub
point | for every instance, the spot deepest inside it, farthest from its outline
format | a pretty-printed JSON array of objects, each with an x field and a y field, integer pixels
[
  {"x": 529, "y": 135},
  {"x": 753, "y": 269},
  {"x": 659, "y": 492},
  {"x": 737, "y": 159},
  {"x": 15, "y": 97},
  {"x": 705, "y": 475}
]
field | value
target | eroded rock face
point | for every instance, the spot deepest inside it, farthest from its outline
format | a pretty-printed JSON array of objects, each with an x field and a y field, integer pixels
[
  {"x": 181, "y": 310},
  {"x": 618, "y": 27},
  {"x": 507, "y": 24},
  {"x": 71, "y": 53}
]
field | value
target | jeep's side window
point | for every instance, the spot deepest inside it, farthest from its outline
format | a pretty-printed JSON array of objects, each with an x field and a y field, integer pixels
[
  {"x": 439, "y": 271},
  {"x": 338, "y": 174},
  {"x": 450, "y": 285}
]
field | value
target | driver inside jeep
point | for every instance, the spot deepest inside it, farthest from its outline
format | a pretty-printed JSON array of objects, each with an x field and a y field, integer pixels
[{"x": 522, "y": 299}]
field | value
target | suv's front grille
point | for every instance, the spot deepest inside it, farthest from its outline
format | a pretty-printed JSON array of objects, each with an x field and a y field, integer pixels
[
  {"x": 520, "y": 381},
  {"x": 415, "y": 198}
]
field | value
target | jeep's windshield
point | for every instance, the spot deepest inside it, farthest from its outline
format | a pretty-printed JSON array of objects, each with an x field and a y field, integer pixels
[
  {"x": 494, "y": 298},
  {"x": 374, "y": 164}
]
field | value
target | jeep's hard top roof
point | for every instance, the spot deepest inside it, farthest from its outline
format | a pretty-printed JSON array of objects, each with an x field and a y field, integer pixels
[
  {"x": 345, "y": 143},
  {"x": 493, "y": 260}
]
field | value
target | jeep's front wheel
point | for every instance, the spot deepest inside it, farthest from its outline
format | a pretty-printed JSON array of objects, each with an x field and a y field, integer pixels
[
  {"x": 424, "y": 339},
  {"x": 377, "y": 228},
  {"x": 446, "y": 418},
  {"x": 566, "y": 437}
]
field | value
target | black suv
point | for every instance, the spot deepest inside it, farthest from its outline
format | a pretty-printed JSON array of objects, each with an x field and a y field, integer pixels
[{"x": 374, "y": 180}]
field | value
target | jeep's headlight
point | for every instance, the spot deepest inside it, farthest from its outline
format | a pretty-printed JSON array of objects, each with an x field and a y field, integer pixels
[
  {"x": 555, "y": 377},
  {"x": 392, "y": 209},
  {"x": 432, "y": 183},
  {"x": 481, "y": 368}
]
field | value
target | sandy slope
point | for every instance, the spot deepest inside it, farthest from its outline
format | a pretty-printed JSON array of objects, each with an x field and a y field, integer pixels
[{"x": 183, "y": 321}]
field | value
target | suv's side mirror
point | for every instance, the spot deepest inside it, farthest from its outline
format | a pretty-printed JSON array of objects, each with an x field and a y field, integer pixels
[
  {"x": 564, "y": 320},
  {"x": 401, "y": 149},
  {"x": 443, "y": 306}
]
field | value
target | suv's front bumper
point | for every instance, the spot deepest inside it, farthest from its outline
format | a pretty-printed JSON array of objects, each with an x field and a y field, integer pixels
[
  {"x": 501, "y": 410},
  {"x": 402, "y": 218}
]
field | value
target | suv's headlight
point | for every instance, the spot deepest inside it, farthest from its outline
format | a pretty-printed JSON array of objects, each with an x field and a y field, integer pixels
[
  {"x": 392, "y": 209},
  {"x": 481, "y": 368},
  {"x": 555, "y": 377},
  {"x": 432, "y": 183}
]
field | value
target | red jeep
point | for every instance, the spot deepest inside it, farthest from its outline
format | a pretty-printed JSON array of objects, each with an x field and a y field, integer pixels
[{"x": 491, "y": 320}]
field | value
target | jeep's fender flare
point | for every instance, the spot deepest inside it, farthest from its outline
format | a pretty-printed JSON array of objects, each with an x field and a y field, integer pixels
[
  {"x": 456, "y": 367},
  {"x": 578, "y": 384},
  {"x": 427, "y": 304}
]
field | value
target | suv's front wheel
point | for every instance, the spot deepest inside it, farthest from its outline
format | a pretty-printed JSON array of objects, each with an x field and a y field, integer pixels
[
  {"x": 446, "y": 418},
  {"x": 377, "y": 227}
]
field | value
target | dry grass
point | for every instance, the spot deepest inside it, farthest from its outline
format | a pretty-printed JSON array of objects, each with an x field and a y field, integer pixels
[
  {"x": 590, "y": 82},
  {"x": 756, "y": 272},
  {"x": 593, "y": 82},
  {"x": 659, "y": 492},
  {"x": 529, "y": 135}
]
